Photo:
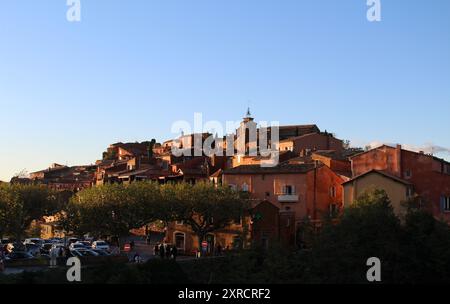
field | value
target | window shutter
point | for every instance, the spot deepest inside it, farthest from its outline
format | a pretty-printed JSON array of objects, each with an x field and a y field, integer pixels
[
  {"x": 442, "y": 203},
  {"x": 293, "y": 190}
]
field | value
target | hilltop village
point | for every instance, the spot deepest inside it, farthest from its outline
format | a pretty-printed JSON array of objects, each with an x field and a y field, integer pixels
[{"x": 317, "y": 176}]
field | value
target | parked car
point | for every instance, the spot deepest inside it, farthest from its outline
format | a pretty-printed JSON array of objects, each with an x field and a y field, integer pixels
[
  {"x": 19, "y": 255},
  {"x": 33, "y": 249},
  {"x": 45, "y": 249},
  {"x": 84, "y": 253},
  {"x": 77, "y": 245},
  {"x": 85, "y": 243},
  {"x": 6, "y": 242},
  {"x": 58, "y": 245},
  {"x": 36, "y": 241},
  {"x": 102, "y": 245},
  {"x": 101, "y": 252},
  {"x": 15, "y": 247},
  {"x": 71, "y": 240}
]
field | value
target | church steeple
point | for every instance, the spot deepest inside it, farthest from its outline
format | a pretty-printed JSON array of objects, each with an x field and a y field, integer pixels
[{"x": 248, "y": 116}]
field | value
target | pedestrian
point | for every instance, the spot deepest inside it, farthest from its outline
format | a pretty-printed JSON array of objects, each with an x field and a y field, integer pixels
[
  {"x": 174, "y": 252},
  {"x": 219, "y": 250},
  {"x": 132, "y": 245},
  {"x": 148, "y": 239},
  {"x": 161, "y": 251},
  {"x": 2, "y": 258},
  {"x": 168, "y": 251},
  {"x": 137, "y": 258},
  {"x": 156, "y": 250},
  {"x": 61, "y": 252},
  {"x": 53, "y": 257}
]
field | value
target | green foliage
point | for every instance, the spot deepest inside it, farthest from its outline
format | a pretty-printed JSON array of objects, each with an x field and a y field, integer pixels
[
  {"x": 21, "y": 204},
  {"x": 115, "y": 209},
  {"x": 112, "y": 209},
  {"x": 204, "y": 207},
  {"x": 415, "y": 251}
]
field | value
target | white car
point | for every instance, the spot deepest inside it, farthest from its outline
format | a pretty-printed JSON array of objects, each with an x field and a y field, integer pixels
[
  {"x": 102, "y": 245},
  {"x": 77, "y": 245},
  {"x": 35, "y": 241}
]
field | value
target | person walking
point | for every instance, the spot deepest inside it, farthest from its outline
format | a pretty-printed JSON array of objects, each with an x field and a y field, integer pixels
[
  {"x": 137, "y": 258},
  {"x": 174, "y": 252},
  {"x": 156, "y": 250},
  {"x": 219, "y": 250},
  {"x": 168, "y": 251},
  {"x": 61, "y": 252},
  {"x": 161, "y": 251},
  {"x": 53, "y": 257},
  {"x": 2, "y": 260}
]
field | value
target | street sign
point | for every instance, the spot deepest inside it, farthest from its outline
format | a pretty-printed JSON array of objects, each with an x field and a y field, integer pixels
[
  {"x": 127, "y": 247},
  {"x": 205, "y": 244}
]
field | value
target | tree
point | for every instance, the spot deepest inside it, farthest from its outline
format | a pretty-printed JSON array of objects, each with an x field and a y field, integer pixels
[
  {"x": 3, "y": 217},
  {"x": 20, "y": 205},
  {"x": 368, "y": 228},
  {"x": 112, "y": 209},
  {"x": 204, "y": 207}
]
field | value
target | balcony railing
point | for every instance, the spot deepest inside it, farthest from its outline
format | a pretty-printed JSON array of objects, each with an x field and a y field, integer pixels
[{"x": 288, "y": 198}]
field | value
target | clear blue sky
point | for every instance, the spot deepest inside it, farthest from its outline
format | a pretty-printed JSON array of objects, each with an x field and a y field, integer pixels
[{"x": 131, "y": 68}]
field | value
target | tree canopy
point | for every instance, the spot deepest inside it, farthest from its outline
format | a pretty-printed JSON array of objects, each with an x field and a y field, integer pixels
[
  {"x": 20, "y": 205},
  {"x": 115, "y": 209}
]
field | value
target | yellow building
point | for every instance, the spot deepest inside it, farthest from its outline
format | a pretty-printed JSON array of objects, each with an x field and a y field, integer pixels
[{"x": 397, "y": 189}]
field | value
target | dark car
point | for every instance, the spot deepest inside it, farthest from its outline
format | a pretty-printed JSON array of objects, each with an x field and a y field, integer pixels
[
  {"x": 45, "y": 249},
  {"x": 19, "y": 255},
  {"x": 33, "y": 249},
  {"x": 101, "y": 252}
]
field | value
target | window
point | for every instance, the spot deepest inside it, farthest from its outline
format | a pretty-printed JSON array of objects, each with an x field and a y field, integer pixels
[
  {"x": 408, "y": 174},
  {"x": 232, "y": 186},
  {"x": 445, "y": 203},
  {"x": 333, "y": 191},
  {"x": 179, "y": 223},
  {"x": 288, "y": 190},
  {"x": 245, "y": 187},
  {"x": 267, "y": 194}
]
